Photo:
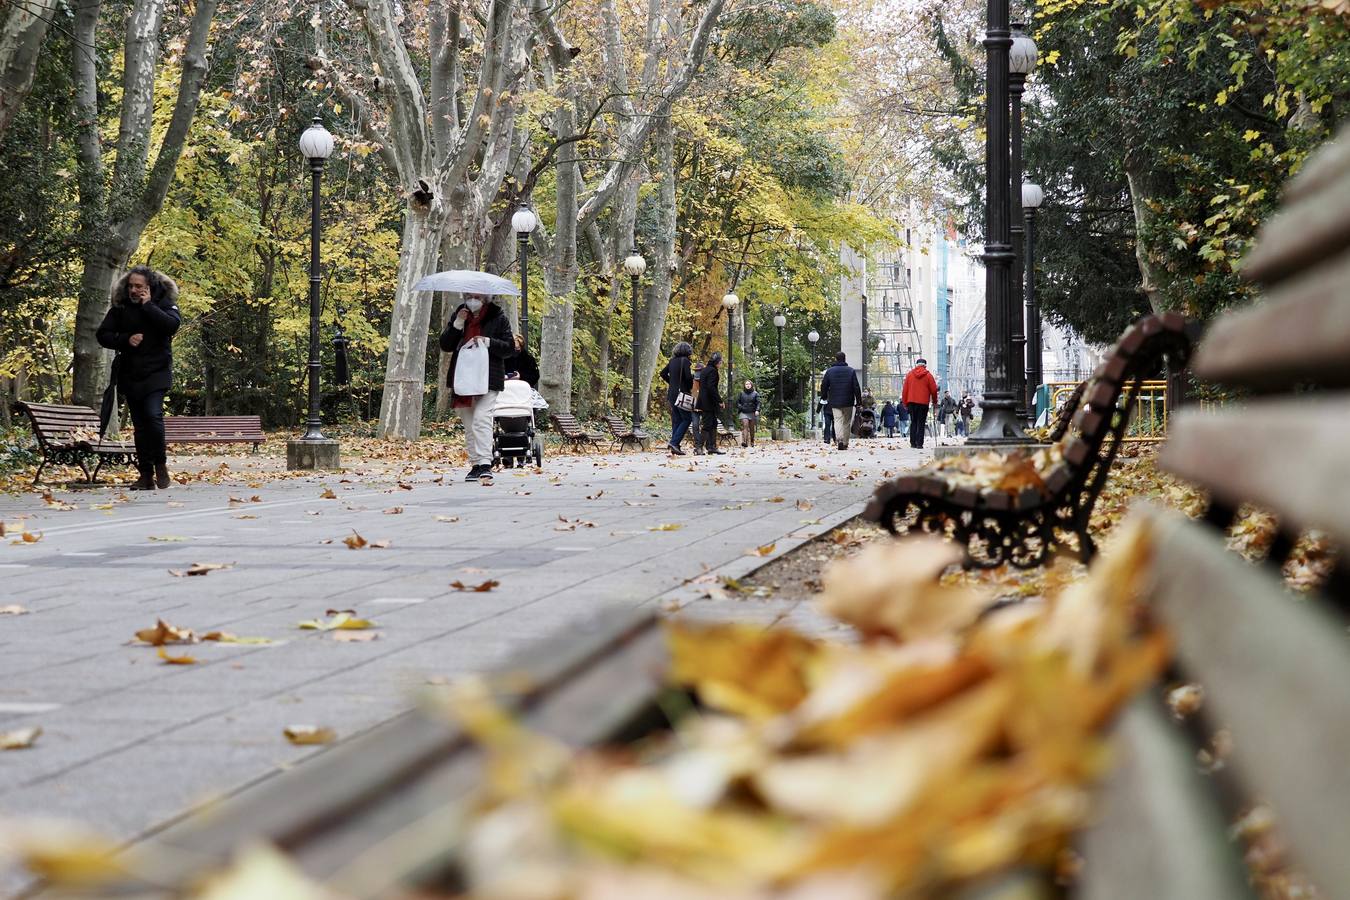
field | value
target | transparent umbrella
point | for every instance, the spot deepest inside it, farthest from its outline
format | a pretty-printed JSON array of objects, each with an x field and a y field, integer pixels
[{"x": 467, "y": 281}]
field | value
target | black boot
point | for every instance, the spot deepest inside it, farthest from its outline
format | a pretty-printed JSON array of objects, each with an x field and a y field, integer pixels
[
  {"x": 145, "y": 483},
  {"x": 162, "y": 476}
]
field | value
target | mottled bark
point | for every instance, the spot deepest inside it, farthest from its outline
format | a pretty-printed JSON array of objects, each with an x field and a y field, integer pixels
[
  {"x": 1136, "y": 176},
  {"x": 652, "y": 321},
  {"x": 114, "y": 215},
  {"x": 409, "y": 325},
  {"x": 21, "y": 36}
]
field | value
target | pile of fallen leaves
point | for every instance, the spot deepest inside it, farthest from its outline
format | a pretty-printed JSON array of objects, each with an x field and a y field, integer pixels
[
  {"x": 951, "y": 742},
  {"x": 1009, "y": 472}
]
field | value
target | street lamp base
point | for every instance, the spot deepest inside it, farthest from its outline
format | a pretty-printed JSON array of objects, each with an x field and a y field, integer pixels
[
  {"x": 783, "y": 434},
  {"x": 304, "y": 454},
  {"x": 998, "y": 427}
]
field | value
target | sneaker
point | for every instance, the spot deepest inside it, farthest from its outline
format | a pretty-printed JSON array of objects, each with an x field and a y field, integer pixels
[
  {"x": 843, "y": 446},
  {"x": 475, "y": 473},
  {"x": 485, "y": 477},
  {"x": 674, "y": 451}
]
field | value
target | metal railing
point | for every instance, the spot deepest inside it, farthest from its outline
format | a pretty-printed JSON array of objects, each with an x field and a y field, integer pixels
[{"x": 1148, "y": 418}]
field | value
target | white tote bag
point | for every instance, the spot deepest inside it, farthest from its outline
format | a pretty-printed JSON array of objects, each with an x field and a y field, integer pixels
[{"x": 471, "y": 370}]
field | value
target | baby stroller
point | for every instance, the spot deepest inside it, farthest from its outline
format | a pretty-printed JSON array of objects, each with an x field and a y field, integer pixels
[
  {"x": 865, "y": 422},
  {"x": 514, "y": 439}
]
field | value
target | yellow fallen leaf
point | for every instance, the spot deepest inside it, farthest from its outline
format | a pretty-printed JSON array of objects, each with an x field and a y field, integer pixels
[
  {"x": 19, "y": 739},
  {"x": 665, "y": 527},
  {"x": 224, "y": 637},
  {"x": 309, "y": 734},
  {"x": 61, "y": 853},
  {"x": 176, "y": 660},
  {"x": 447, "y": 518},
  {"x": 350, "y": 637},
  {"x": 381, "y": 545},
  {"x": 762, "y": 550},
  {"x": 328, "y": 494},
  {"x": 743, "y": 669},
  {"x": 345, "y": 620},
  {"x": 166, "y": 539},
  {"x": 27, "y": 537},
  {"x": 261, "y": 872},
  {"x": 200, "y": 569}
]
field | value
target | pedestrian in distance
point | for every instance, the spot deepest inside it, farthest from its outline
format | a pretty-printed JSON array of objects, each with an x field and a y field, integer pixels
[
  {"x": 946, "y": 412},
  {"x": 709, "y": 405},
  {"x": 826, "y": 418},
  {"x": 919, "y": 392},
  {"x": 889, "y": 419},
  {"x": 747, "y": 408},
  {"x": 965, "y": 410},
  {"x": 478, "y": 337},
  {"x": 140, "y": 326},
  {"x": 902, "y": 414},
  {"x": 678, "y": 375},
  {"x": 840, "y": 389}
]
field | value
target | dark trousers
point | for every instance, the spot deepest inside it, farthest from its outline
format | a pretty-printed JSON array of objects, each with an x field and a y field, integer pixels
[
  {"x": 707, "y": 437},
  {"x": 679, "y": 420},
  {"x": 918, "y": 420},
  {"x": 827, "y": 432},
  {"x": 147, "y": 417}
]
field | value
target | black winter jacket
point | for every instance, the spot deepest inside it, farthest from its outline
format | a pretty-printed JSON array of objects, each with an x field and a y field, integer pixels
[
  {"x": 747, "y": 403},
  {"x": 839, "y": 387},
  {"x": 148, "y": 367},
  {"x": 523, "y": 363},
  {"x": 709, "y": 399},
  {"x": 501, "y": 344},
  {"x": 679, "y": 375}
]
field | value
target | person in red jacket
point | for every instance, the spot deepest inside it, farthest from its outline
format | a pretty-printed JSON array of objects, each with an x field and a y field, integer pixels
[{"x": 920, "y": 391}]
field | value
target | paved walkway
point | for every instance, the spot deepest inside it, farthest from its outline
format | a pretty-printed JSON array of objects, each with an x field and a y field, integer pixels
[{"x": 130, "y": 742}]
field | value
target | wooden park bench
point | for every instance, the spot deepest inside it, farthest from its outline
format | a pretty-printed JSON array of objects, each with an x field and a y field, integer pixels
[
  {"x": 1026, "y": 528},
  {"x": 624, "y": 434},
  {"x": 69, "y": 435},
  {"x": 1273, "y": 666},
  {"x": 214, "y": 430},
  {"x": 571, "y": 433}
]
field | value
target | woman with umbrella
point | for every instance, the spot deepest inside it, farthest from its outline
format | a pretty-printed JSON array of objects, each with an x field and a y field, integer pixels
[{"x": 478, "y": 339}]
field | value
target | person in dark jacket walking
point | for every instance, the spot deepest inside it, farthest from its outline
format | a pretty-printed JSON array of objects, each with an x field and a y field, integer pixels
[
  {"x": 678, "y": 375},
  {"x": 140, "y": 326},
  {"x": 945, "y": 413},
  {"x": 747, "y": 407},
  {"x": 474, "y": 322},
  {"x": 826, "y": 419},
  {"x": 902, "y": 417},
  {"x": 709, "y": 404},
  {"x": 522, "y": 363},
  {"x": 965, "y": 409},
  {"x": 888, "y": 418},
  {"x": 919, "y": 391},
  {"x": 841, "y": 390}
]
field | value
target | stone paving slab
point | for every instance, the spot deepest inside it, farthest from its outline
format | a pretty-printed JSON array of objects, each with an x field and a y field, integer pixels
[{"x": 131, "y": 743}]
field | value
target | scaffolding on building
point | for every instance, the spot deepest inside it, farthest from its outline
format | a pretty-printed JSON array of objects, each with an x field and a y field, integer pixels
[{"x": 891, "y": 329}]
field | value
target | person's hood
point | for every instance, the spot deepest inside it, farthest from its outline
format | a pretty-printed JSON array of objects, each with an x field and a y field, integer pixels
[
  {"x": 837, "y": 364},
  {"x": 919, "y": 367}
]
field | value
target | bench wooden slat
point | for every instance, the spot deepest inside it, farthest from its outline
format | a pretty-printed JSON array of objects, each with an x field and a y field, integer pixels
[
  {"x": 213, "y": 429},
  {"x": 1300, "y": 333},
  {"x": 1160, "y": 833},
  {"x": 1314, "y": 229},
  {"x": 1280, "y": 455},
  {"x": 1274, "y": 668}
]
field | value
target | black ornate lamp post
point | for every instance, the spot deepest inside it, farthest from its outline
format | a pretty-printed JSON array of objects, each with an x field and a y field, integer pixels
[
  {"x": 729, "y": 302},
  {"x": 1021, "y": 63},
  {"x": 864, "y": 341},
  {"x": 1032, "y": 195},
  {"x": 779, "y": 322},
  {"x": 812, "y": 336},
  {"x": 524, "y": 222},
  {"x": 635, "y": 265},
  {"x": 312, "y": 450},
  {"x": 998, "y": 423}
]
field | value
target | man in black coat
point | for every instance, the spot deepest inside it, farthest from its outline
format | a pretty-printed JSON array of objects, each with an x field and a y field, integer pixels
[
  {"x": 840, "y": 389},
  {"x": 475, "y": 321},
  {"x": 709, "y": 405},
  {"x": 140, "y": 326}
]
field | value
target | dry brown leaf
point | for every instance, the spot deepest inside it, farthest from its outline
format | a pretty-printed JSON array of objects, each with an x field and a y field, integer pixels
[
  {"x": 20, "y": 738},
  {"x": 381, "y": 544},
  {"x": 477, "y": 588},
  {"x": 328, "y": 494},
  {"x": 394, "y": 511},
  {"x": 804, "y": 505},
  {"x": 309, "y": 734},
  {"x": 742, "y": 669},
  {"x": 13, "y": 610},
  {"x": 27, "y": 537},
  {"x": 176, "y": 660},
  {"x": 763, "y": 550},
  {"x": 200, "y": 569},
  {"x": 354, "y": 541},
  {"x": 225, "y": 637},
  {"x": 891, "y": 588},
  {"x": 447, "y": 518},
  {"x": 164, "y": 633},
  {"x": 62, "y": 854}
]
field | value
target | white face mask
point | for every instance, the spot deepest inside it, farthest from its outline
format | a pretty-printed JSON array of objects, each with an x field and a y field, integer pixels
[{"x": 474, "y": 305}]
